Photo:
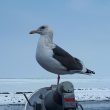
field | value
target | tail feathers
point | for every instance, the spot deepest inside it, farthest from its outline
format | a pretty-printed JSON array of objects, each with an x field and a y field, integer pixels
[{"x": 89, "y": 72}]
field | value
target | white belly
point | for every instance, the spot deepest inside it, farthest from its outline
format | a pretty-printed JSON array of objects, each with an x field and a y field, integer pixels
[{"x": 45, "y": 59}]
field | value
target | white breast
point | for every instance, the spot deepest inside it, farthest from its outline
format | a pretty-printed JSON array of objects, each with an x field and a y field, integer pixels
[{"x": 44, "y": 56}]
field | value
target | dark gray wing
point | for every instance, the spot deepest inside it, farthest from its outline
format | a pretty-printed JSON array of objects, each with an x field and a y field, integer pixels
[{"x": 71, "y": 63}]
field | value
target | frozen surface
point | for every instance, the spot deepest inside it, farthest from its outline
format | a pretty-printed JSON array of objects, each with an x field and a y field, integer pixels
[
  {"x": 81, "y": 95},
  {"x": 92, "y": 94},
  {"x": 86, "y": 89},
  {"x": 13, "y": 85},
  {"x": 88, "y": 105}
]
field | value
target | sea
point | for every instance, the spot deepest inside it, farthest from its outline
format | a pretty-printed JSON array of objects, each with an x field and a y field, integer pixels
[
  {"x": 17, "y": 85},
  {"x": 87, "y": 105}
]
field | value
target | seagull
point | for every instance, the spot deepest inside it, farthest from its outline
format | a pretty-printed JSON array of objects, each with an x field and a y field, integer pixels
[{"x": 55, "y": 59}]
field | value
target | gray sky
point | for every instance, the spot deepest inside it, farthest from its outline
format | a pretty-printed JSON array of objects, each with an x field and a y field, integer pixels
[{"x": 80, "y": 27}]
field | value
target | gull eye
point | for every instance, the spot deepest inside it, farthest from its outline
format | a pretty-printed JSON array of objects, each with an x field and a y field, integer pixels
[{"x": 43, "y": 27}]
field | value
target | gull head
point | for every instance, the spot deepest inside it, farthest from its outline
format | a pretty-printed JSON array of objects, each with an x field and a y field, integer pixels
[{"x": 42, "y": 30}]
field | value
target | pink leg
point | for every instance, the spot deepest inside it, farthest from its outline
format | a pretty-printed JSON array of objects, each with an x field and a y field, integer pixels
[{"x": 58, "y": 79}]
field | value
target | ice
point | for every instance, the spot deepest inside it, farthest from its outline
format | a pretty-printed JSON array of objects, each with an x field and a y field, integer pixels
[
  {"x": 85, "y": 89},
  {"x": 95, "y": 94}
]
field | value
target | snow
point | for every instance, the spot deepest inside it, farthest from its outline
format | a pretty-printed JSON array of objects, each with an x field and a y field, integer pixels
[
  {"x": 11, "y": 99},
  {"x": 86, "y": 89},
  {"x": 92, "y": 94},
  {"x": 82, "y": 94}
]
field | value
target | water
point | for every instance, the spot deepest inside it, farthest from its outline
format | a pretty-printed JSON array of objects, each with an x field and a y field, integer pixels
[
  {"x": 15, "y": 85},
  {"x": 90, "y": 105},
  {"x": 96, "y": 105},
  {"x": 12, "y": 107}
]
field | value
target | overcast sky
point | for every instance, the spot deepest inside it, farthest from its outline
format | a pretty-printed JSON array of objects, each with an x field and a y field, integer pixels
[{"x": 81, "y": 27}]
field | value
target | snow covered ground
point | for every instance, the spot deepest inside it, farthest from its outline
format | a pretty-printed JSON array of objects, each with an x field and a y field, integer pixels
[
  {"x": 85, "y": 89},
  {"x": 82, "y": 94},
  {"x": 92, "y": 94}
]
